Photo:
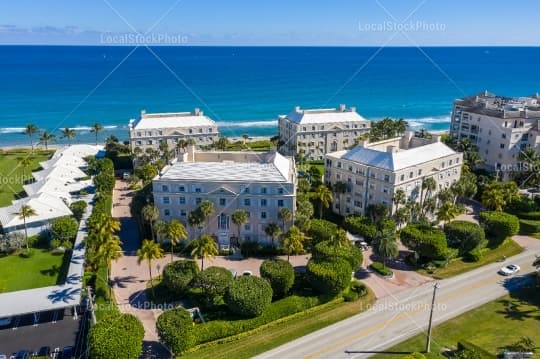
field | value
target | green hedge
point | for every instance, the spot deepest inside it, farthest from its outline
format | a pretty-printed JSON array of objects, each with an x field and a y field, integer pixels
[
  {"x": 498, "y": 226},
  {"x": 427, "y": 241},
  {"x": 465, "y": 345},
  {"x": 177, "y": 276},
  {"x": 116, "y": 336},
  {"x": 534, "y": 216},
  {"x": 361, "y": 226},
  {"x": 464, "y": 235},
  {"x": 327, "y": 251},
  {"x": 280, "y": 274},
  {"x": 248, "y": 296},
  {"x": 321, "y": 230},
  {"x": 328, "y": 277},
  {"x": 381, "y": 269},
  {"x": 529, "y": 226},
  {"x": 213, "y": 282},
  {"x": 176, "y": 329}
]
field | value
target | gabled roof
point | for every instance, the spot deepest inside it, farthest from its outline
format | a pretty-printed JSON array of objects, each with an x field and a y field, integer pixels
[
  {"x": 324, "y": 116},
  {"x": 78, "y": 151},
  {"x": 59, "y": 172},
  {"x": 56, "y": 186},
  {"x": 47, "y": 207},
  {"x": 64, "y": 160},
  {"x": 397, "y": 160},
  {"x": 172, "y": 120}
]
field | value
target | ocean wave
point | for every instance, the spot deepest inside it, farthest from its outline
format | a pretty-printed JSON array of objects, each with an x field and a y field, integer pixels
[
  {"x": 6, "y": 130},
  {"x": 272, "y": 123},
  {"x": 419, "y": 122},
  {"x": 12, "y": 130}
]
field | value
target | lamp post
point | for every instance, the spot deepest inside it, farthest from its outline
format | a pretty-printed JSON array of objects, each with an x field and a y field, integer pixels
[{"x": 428, "y": 343}]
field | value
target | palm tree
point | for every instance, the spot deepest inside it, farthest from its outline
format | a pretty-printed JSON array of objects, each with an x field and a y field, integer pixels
[
  {"x": 413, "y": 208},
  {"x": 148, "y": 252},
  {"x": 284, "y": 215},
  {"x": 272, "y": 230},
  {"x": 239, "y": 217},
  {"x": 447, "y": 212},
  {"x": 175, "y": 232},
  {"x": 402, "y": 216},
  {"x": 222, "y": 143},
  {"x": 195, "y": 219},
  {"x": 339, "y": 188},
  {"x": 96, "y": 128},
  {"x": 399, "y": 198},
  {"x": 400, "y": 126},
  {"x": 24, "y": 212},
  {"x": 245, "y": 136},
  {"x": 325, "y": 198},
  {"x": 428, "y": 185},
  {"x": 45, "y": 138},
  {"x": 340, "y": 239},
  {"x": 110, "y": 249},
  {"x": 150, "y": 214},
  {"x": 181, "y": 145},
  {"x": 24, "y": 163},
  {"x": 160, "y": 227},
  {"x": 68, "y": 133},
  {"x": 207, "y": 209},
  {"x": 385, "y": 245},
  {"x": 293, "y": 242},
  {"x": 204, "y": 247},
  {"x": 493, "y": 198},
  {"x": 30, "y": 130}
]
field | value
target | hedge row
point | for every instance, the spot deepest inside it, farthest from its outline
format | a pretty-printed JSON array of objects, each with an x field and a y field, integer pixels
[
  {"x": 498, "y": 226},
  {"x": 427, "y": 241},
  {"x": 533, "y": 216},
  {"x": 381, "y": 269},
  {"x": 529, "y": 226},
  {"x": 327, "y": 251},
  {"x": 465, "y": 236}
]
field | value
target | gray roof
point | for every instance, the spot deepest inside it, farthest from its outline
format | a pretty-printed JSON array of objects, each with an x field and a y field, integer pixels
[{"x": 324, "y": 116}]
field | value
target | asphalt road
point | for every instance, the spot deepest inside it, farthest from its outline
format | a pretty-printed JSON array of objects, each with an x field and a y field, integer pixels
[{"x": 395, "y": 318}]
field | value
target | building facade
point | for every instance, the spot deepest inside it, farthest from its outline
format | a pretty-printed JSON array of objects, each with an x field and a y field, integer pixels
[
  {"x": 259, "y": 183},
  {"x": 373, "y": 172},
  {"x": 500, "y": 127},
  {"x": 151, "y": 129},
  {"x": 313, "y": 133}
]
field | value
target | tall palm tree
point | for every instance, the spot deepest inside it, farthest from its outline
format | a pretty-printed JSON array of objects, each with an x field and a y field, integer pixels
[
  {"x": 104, "y": 224},
  {"x": 204, "y": 247},
  {"x": 148, "y": 252},
  {"x": 160, "y": 227},
  {"x": 493, "y": 198},
  {"x": 402, "y": 216},
  {"x": 181, "y": 145},
  {"x": 325, "y": 198},
  {"x": 30, "y": 130},
  {"x": 399, "y": 198},
  {"x": 207, "y": 209},
  {"x": 68, "y": 133},
  {"x": 428, "y": 186},
  {"x": 111, "y": 249},
  {"x": 175, "y": 232},
  {"x": 96, "y": 128},
  {"x": 150, "y": 214},
  {"x": 293, "y": 241},
  {"x": 24, "y": 163},
  {"x": 340, "y": 239},
  {"x": 239, "y": 217},
  {"x": 272, "y": 230},
  {"x": 339, "y": 188},
  {"x": 284, "y": 215},
  {"x": 45, "y": 138},
  {"x": 385, "y": 245},
  {"x": 245, "y": 136},
  {"x": 195, "y": 219},
  {"x": 447, "y": 212},
  {"x": 400, "y": 126},
  {"x": 24, "y": 212}
]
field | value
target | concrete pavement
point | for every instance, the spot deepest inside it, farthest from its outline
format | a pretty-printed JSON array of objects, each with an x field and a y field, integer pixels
[{"x": 395, "y": 318}]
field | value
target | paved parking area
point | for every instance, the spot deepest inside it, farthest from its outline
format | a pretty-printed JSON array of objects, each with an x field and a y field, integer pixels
[{"x": 23, "y": 334}]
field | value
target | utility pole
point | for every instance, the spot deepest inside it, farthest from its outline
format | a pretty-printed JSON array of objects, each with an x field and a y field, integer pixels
[{"x": 428, "y": 343}]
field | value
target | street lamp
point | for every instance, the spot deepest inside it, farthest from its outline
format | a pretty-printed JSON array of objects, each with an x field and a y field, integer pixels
[{"x": 428, "y": 343}]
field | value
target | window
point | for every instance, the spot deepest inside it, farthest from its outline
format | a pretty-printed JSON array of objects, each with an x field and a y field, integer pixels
[
  {"x": 386, "y": 178},
  {"x": 263, "y": 215},
  {"x": 200, "y": 130},
  {"x": 198, "y": 200},
  {"x": 149, "y": 133},
  {"x": 420, "y": 172},
  {"x": 181, "y": 188},
  {"x": 263, "y": 190},
  {"x": 222, "y": 201},
  {"x": 411, "y": 174},
  {"x": 198, "y": 190},
  {"x": 385, "y": 190},
  {"x": 149, "y": 142},
  {"x": 247, "y": 202},
  {"x": 280, "y": 190},
  {"x": 210, "y": 130},
  {"x": 183, "y": 213},
  {"x": 280, "y": 203},
  {"x": 139, "y": 134},
  {"x": 165, "y": 188},
  {"x": 248, "y": 214},
  {"x": 264, "y": 202},
  {"x": 247, "y": 227},
  {"x": 190, "y": 130},
  {"x": 501, "y": 145},
  {"x": 182, "y": 200},
  {"x": 166, "y": 200},
  {"x": 402, "y": 178},
  {"x": 503, "y": 135},
  {"x": 138, "y": 143},
  {"x": 166, "y": 212}
]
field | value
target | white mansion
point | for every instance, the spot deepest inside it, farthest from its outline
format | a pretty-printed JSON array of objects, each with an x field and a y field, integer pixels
[
  {"x": 373, "y": 172},
  {"x": 314, "y": 133},
  {"x": 500, "y": 127},
  {"x": 151, "y": 129},
  {"x": 259, "y": 183}
]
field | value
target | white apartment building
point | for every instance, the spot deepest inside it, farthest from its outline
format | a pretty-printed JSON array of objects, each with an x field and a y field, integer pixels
[
  {"x": 373, "y": 172},
  {"x": 314, "y": 133},
  {"x": 151, "y": 129},
  {"x": 500, "y": 127},
  {"x": 259, "y": 183}
]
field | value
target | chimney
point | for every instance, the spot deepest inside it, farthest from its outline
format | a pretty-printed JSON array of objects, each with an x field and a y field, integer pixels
[
  {"x": 297, "y": 109},
  {"x": 342, "y": 107}
]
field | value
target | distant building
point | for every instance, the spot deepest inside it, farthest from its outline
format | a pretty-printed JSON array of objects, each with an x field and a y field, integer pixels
[
  {"x": 500, "y": 127},
  {"x": 259, "y": 183},
  {"x": 151, "y": 129},
  {"x": 373, "y": 172},
  {"x": 314, "y": 133}
]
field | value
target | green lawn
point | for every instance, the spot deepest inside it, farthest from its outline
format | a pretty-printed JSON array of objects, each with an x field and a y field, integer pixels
[
  {"x": 41, "y": 270},
  {"x": 13, "y": 176},
  {"x": 282, "y": 331},
  {"x": 258, "y": 145},
  {"x": 498, "y": 323},
  {"x": 458, "y": 266}
]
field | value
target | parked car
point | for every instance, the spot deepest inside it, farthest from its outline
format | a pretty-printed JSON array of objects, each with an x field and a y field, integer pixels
[
  {"x": 67, "y": 353},
  {"x": 22, "y": 354},
  {"x": 44, "y": 351},
  {"x": 5, "y": 321},
  {"x": 509, "y": 269}
]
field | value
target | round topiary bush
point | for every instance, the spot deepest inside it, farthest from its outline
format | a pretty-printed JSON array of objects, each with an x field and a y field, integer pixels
[
  {"x": 178, "y": 275},
  {"x": 280, "y": 274},
  {"x": 175, "y": 329},
  {"x": 465, "y": 236},
  {"x": 213, "y": 281},
  {"x": 359, "y": 288},
  {"x": 116, "y": 336},
  {"x": 328, "y": 277},
  {"x": 498, "y": 226},
  {"x": 248, "y": 296},
  {"x": 427, "y": 241},
  {"x": 327, "y": 251}
]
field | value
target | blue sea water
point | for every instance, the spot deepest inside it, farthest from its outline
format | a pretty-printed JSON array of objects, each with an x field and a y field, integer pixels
[{"x": 245, "y": 88}]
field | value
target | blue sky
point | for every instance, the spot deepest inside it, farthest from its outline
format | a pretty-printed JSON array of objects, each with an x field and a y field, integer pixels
[{"x": 276, "y": 22}]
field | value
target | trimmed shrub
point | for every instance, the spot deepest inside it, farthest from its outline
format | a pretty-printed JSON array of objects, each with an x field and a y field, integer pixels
[
  {"x": 178, "y": 275},
  {"x": 64, "y": 228},
  {"x": 533, "y": 216},
  {"x": 176, "y": 329},
  {"x": 381, "y": 269},
  {"x": 280, "y": 275},
  {"x": 321, "y": 230},
  {"x": 465, "y": 236},
  {"x": 248, "y": 296},
  {"x": 359, "y": 288},
  {"x": 498, "y": 226},
  {"x": 361, "y": 226},
  {"x": 474, "y": 255},
  {"x": 529, "y": 226},
  {"x": 116, "y": 336},
  {"x": 350, "y": 296},
  {"x": 327, "y": 251},
  {"x": 78, "y": 208},
  {"x": 427, "y": 241},
  {"x": 213, "y": 281},
  {"x": 328, "y": 277}
]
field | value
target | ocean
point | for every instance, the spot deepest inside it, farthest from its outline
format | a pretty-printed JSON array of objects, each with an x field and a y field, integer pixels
[{"x": 244, "y": 89}]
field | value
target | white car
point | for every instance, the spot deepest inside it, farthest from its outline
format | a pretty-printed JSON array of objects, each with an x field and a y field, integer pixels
[
  {"x": 509, "y": 269},
  {"x": 5, "y": 321}
]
